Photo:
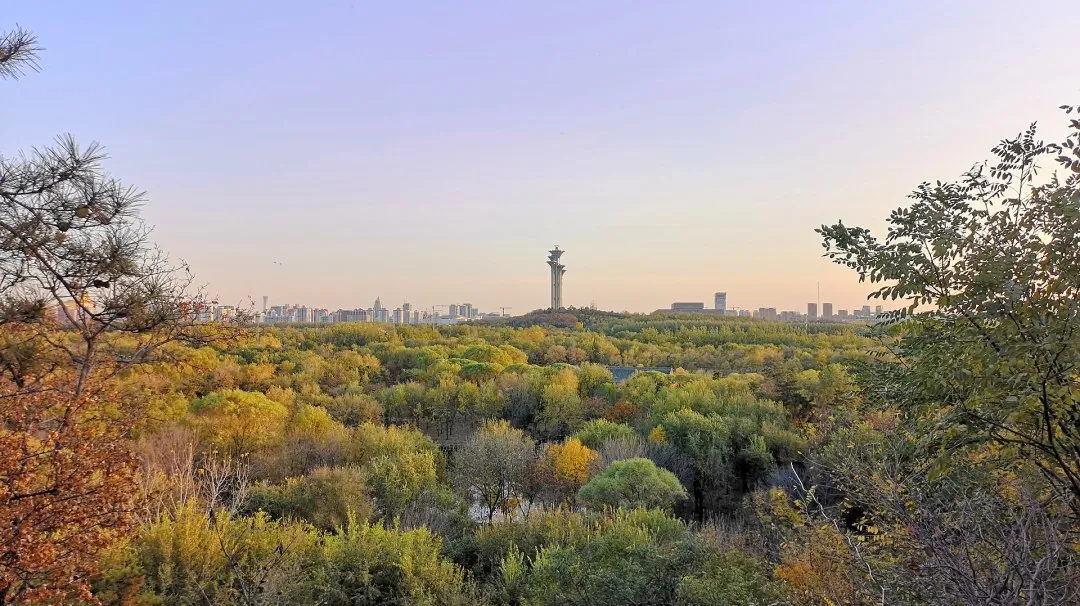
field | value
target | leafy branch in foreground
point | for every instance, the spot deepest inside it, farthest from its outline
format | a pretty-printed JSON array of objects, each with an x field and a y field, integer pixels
[
  {"x": 990, "y": 268},
  {"x": 967, "y": 455}
]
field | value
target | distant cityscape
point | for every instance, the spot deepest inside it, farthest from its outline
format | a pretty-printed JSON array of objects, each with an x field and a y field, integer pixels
[
  {"x": 438, "y": 315},
  {"x": 441, "y": 315},
  {"x": 720, "y": 307}
]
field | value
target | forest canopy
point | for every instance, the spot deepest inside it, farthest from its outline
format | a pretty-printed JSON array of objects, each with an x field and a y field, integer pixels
[{"x": 929, "y": 458}]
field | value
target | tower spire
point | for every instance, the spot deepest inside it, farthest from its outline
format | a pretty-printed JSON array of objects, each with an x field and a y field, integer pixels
[{"x": 557, "y": 271}]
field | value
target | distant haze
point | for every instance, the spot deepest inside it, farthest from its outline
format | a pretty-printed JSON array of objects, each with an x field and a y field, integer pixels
[{"x": 413, "y": 150}]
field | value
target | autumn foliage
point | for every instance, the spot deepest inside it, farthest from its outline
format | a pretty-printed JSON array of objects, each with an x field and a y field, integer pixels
[
  {"x": 565, "y": 467},
  {"x": 65, "y": 487}
]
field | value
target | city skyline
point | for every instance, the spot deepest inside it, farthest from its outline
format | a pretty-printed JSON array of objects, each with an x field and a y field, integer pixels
[
  {"x": 421, "y": 313},
  {"x": 430, "y": 152},
  {"x": 543, "y": 300},
  {"x": 468, "y": 311},
  {"x": 406, "y": 313},
  {"x": 556, "y": 271}
]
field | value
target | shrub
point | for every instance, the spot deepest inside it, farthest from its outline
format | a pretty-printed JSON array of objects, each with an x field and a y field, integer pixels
[
  {"x": 352, "y": 410},
  {"x": 633, "y": 483},
  {"x": 594, "y": 433},
  {"x": 238, "y": 422},
  {"x": 325, "y": 498}
]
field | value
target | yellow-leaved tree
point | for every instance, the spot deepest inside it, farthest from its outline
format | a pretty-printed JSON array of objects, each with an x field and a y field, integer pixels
[{"x": 562, "y": 469}]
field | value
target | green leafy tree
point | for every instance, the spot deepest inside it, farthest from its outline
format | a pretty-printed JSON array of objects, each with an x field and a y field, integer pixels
[
  {"x": 397, "y": 480},
  {"x": 189, "y": 558},
  {"x": 325, "y": 498},
  {"x": 989, "y": 338},
  {"x": 632, "y": 557},
  {"x": 594, "y": 380},
  {"x": 561, "y": 411},
  {"x": 633, "y": 483},
  {"x": 478, "y": 372},
  {"x": 729, "y": 578},
  {"x": 238, "y": 422},
  {"x": 975, "y": 477},
  {"x": 594, "y": 433},
  {"x": 352, "y": 409}
]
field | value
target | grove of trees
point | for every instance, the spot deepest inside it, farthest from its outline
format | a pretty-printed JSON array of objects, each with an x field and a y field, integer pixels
[{"x": 932, "y": 458}]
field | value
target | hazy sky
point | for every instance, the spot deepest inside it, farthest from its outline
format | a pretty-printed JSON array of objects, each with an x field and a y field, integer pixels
[{"x": 433, "y": 152}]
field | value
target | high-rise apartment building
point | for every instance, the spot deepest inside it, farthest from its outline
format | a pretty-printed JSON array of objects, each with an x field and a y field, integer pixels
[
  {"x": 557, "y": 271},
  {"x": 378, "y": 313},
  {"x": 878, "y": 310},
  {"x": 397, "y": 315},
  {"x": 406, "y": 313},
  {"x": 826, "y": 311},
  {"x": 866, "y": 311},
  {"x": 811, "y": 311},
  {"x": 467, "y": 311},
  {"x": 453, "y": 310},
  {"x": 720, "y": 301}
]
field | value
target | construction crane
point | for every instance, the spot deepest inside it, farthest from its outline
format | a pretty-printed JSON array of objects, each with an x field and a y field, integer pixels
[{"x": 504, "y": 310}]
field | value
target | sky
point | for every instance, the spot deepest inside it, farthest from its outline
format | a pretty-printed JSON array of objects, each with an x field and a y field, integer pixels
[{"x": 328, "y": 152}]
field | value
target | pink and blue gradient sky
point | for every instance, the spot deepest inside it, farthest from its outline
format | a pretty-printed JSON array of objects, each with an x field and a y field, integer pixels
[{"x": 435, "y": 151}]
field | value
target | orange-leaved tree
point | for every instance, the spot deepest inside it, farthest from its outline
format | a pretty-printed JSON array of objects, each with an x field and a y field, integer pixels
[{"x": 66, "y": 477}]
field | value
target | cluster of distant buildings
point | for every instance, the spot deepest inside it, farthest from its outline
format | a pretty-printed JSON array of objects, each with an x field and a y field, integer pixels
[
  {"x": 302, "y": 314},
  {"x": 464, "y": 312},
  {"x": 720, "y": 307},
  {"x": 862, "y": 313}
]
